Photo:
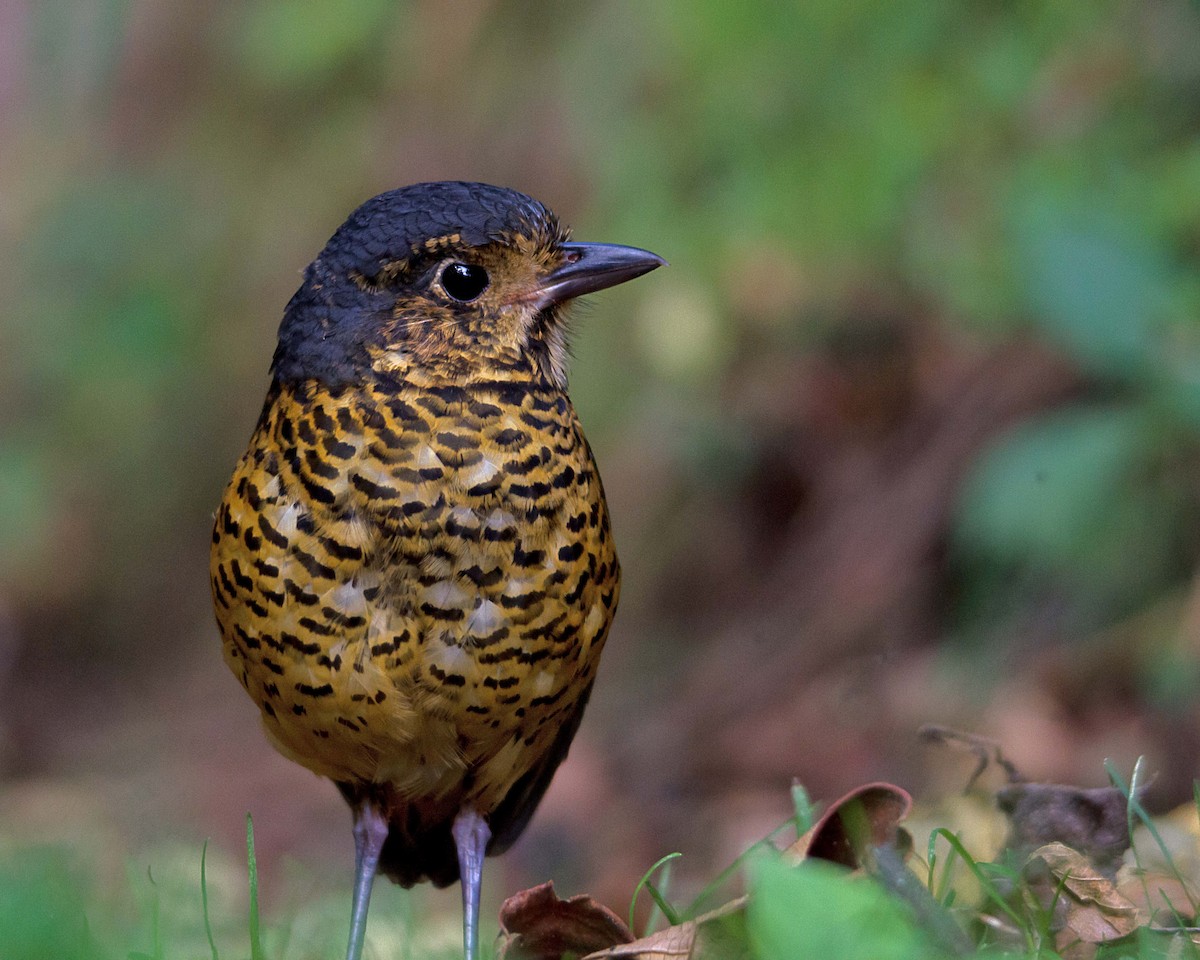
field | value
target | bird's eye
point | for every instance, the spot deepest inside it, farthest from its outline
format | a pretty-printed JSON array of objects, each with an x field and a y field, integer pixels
[{"x": 464, "y": 281}]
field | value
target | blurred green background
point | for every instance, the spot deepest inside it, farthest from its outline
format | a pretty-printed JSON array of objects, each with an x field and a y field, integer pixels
[{"x": 907, "y": 433}]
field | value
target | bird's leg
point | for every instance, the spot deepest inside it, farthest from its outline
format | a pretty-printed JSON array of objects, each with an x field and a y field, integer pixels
[
  {"x": 471, "y": 836},
  {"x": 370, "y": 831}
]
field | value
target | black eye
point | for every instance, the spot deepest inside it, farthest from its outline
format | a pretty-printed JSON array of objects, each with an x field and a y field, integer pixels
[{"x": 464, "y": 281}]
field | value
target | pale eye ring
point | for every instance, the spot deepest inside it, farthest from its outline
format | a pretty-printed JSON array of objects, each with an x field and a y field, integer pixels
[{"x": 464, "y": 282}]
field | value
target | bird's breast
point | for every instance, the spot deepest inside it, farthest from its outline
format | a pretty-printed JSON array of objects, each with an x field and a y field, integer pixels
[{"x": 417, "y": 584}]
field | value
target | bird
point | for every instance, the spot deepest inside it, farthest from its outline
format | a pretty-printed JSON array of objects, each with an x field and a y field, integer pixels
[{"x": 412, "y": 566}]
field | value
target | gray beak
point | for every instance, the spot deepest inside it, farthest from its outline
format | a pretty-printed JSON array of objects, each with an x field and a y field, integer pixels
[{"x": 594, "y": 266}]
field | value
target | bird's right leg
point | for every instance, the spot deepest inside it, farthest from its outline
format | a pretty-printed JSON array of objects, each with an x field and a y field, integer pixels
[
  {"x": 471, "y": 836},
  {"x": 370, "y": 831}
]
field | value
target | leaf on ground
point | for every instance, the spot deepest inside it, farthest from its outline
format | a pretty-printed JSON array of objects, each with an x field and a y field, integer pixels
[
  {"x": 536, "y": 925},
  {"x": 868, "y": 816},
  {"x": 1167, "y": 871},
  {"x": 718, "y": 935},
  {"x": 1164, "y": 898},
  {"x": 1091, "y": 908},
  {"x": 817, "y": 910}
]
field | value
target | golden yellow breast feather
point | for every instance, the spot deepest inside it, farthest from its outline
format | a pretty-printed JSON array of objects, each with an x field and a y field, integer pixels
[{"x": 416, "y": 585}]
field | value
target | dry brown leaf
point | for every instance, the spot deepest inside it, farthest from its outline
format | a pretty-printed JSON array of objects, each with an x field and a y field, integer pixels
[
  {"x": 717, "y": 935},
  {"x": 1081, "y": 878},
  {"x": 867, "y": 816},
  {"x": 1163, "y": 897},
  {"x": 1092, "y": 909},
  {"x": 536, "y": 925}
]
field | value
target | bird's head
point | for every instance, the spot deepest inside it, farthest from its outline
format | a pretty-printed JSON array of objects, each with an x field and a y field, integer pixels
[{"x": 445, "y": 283}]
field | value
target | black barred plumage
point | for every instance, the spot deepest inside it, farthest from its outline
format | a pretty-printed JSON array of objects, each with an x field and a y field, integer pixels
[{"x": 412, "y": 567}]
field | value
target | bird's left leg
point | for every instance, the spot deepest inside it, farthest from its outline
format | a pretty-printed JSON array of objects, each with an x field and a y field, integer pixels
[
  {"x": 471, "y": 836},
  {"x": 370, "y": 831}
]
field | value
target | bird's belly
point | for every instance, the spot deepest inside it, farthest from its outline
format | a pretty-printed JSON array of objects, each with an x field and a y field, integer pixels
[
  {"x": 416, "y": 701},
  {"x": 442, "y": 663}
]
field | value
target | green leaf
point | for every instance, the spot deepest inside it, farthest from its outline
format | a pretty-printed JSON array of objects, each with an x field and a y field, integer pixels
[
  {"x": 1097, "y": 284},
  {"x": 818, "y": 910},
  {"x": 1053, "y": 490}
]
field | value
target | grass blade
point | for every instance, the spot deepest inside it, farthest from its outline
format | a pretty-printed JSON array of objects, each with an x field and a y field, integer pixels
[
  {"x": 1134, "y": 808},
  {"x": 256, "y": 950},
  {"x": 805, "y": 814},
  {"x": 156, "y": 944},
  {"x": 657, "y": 897},
  {"x": 212, "y": 944},
  {"x": 943, "y": 891},
  {"x": 986, "y": 884},
  {"x": 662, "y": 907},
  {"x": 693, "y": 908}
]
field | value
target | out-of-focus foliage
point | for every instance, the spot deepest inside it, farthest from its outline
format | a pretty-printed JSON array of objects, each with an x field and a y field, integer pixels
[
  {"x": 1015, "y": 166},
  {"x": 42, "y": 907},
  {"x": 859, "y": 199},
  {"x": 1018, "y": 167},
  {"x": 55, "y": 904},
  {"x": 839, "y": 919}
]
